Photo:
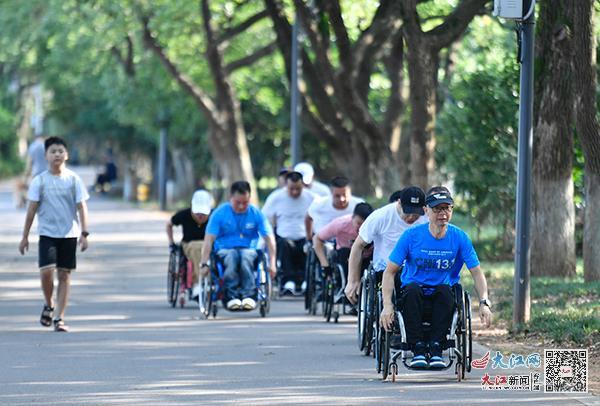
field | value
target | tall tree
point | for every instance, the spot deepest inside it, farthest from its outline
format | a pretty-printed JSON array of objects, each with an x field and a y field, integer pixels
[
  {"x": 423, "y": 62},
  {"x": 338, "y": 71},
  {"x": 227, "y": 137},
  {"x": 553, "y": 210},
  {"x": 585, "y": 84}
]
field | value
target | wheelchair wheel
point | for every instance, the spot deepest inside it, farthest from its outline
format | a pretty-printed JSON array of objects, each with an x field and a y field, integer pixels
[
  {"x": 316, "y": 293},
  {"x": 469, "y": 354},
  {"x": 370, "y": 311},
  {"x": 379, "y": 333},
  {"x": 385, "y": 354},
  {"x": 309, "y": 283},
  {"x": 173, "y": 279},
  {"x": 461, "y": 337},
  {"x": 327, "y": 303},
  {"x": 362, "y": 315},
  {"x": 205, "y": 298}
]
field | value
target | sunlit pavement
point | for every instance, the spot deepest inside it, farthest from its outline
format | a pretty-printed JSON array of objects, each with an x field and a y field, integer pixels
[{"x": 128, "y": 347}]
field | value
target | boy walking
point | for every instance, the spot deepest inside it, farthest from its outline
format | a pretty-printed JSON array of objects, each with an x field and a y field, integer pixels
[{"x": 56, "y": 195}]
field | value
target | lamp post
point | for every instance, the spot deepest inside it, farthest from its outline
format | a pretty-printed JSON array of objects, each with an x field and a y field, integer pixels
[{"x": 163, "y": 121}]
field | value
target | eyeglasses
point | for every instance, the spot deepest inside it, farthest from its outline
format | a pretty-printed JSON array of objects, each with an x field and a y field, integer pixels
[{"x": 440, "y": 209}]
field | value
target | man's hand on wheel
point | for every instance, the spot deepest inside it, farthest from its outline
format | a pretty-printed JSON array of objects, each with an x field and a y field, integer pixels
[
  {"x": 386, "y": 319},
  {"x": 485, "y": 314},
  {"x": 351, "y": 291}
]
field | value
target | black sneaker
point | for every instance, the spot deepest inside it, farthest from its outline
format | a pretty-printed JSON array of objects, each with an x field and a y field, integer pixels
[
  {"x": 419, "y": 360},
  {"x": 435, "y": 355}
]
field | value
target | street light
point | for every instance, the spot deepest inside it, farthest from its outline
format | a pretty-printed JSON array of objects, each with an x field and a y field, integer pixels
[
  {"x": 523, "y": 12},
  {"x": 163, "y": 120}
]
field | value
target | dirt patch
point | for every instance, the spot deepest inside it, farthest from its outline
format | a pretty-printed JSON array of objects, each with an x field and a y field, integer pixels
[{"x": 500, "y": 339}]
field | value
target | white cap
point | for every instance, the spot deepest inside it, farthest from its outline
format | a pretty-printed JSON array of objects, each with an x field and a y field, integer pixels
[
  {"x": 202, "y": 202},
  {"x": 307, "y": 171}
]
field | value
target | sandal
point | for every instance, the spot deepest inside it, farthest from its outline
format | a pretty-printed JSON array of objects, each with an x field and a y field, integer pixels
[
  {"x": 59, "y": 325},
  {"x": 46, "y": 317}
]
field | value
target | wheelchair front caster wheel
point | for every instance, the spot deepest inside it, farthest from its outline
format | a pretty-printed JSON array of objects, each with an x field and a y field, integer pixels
[{"x": 394, "y": 371}]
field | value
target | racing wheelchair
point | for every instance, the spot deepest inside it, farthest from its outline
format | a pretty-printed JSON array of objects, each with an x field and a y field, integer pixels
[
  {"x": 457, "y": 347},
  {"x": 212, "y": 287}
]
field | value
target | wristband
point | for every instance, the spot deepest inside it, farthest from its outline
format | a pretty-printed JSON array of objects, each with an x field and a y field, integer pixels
[{"x": 85, "y": 234}]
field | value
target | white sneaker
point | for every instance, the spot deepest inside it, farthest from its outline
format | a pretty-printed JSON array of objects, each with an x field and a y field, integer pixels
[
  {"x": 248, "y": 304},
  {"x": 234, "y": 304},
  {"x": 290, "y": 287},
  {"x": 196, "y": 291},
  {"x": 303, "y": 287}
]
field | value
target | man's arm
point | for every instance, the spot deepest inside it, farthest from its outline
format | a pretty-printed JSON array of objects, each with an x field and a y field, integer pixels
[
  {"x": 271, "y": 248},
  {"x": 31, "y": 210},
  {"x": 485, "y": 313},
  {"x": 354, "y": 261},
  {"x": 308, "y": 223},
  {"x": 207, "y": 246},
  {"x": 319, "y": 248},
  {"x": 83, "y": 219},
  {"x": 387, "y": 289},
  {"x": 170, "y": 232}
]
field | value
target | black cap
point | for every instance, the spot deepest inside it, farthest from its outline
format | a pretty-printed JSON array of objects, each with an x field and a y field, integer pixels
[
  {"x": 438, "y": 195},
  {"x": 412, "y": 200}
]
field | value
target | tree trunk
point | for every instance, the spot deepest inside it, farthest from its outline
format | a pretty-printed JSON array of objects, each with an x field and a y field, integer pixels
[
  {"x": 553, "y": 210},
  {"x": 422, "y": 70},
  {"x": 588, "y": 130}
]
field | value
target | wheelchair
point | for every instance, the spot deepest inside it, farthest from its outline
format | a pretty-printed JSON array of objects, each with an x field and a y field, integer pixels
[
  {"x": 179, "y": 277},
  {"x": 457, "y": 348},
  {"x": 212, "y": 287},
  {"x": 333, "y": 299},
  {"x": 368, "y": 306}
]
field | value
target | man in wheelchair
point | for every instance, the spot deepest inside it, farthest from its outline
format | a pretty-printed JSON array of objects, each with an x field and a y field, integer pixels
[
  {"x": 233, "y": 230},
  {"x": 433, "y": 255}
]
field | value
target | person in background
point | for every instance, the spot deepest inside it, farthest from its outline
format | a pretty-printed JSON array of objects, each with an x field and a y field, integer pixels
[
  {"x": 308, "y": 177},
  {"x": 193, "y": 222},
  {"x": 286, "y": 210}
]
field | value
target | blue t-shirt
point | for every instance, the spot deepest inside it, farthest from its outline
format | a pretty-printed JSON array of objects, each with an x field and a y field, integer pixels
[
  {"x": 429, "y": 261},
  {"x": 237, "y": 230}
]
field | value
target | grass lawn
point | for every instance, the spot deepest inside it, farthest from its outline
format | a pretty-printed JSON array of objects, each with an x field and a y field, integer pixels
[{"x": 565, "y": 313}]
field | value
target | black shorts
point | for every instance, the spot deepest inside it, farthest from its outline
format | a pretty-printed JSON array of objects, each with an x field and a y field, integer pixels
[{"x": 59, "y": 252}]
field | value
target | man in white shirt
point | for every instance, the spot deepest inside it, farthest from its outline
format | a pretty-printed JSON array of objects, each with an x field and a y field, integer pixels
[
  {"x": 286, "y": 209},
  {"x": 322, "y": 211},
  {"x": 308, "y": 177},
  {"x": 383, "y": 228}
]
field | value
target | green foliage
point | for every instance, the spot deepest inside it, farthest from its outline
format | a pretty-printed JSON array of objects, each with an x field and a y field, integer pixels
[
  {"x": 563, "y": 310},
  {"x": 477, "y": 129},
  {"x": 10, "y": 164}
]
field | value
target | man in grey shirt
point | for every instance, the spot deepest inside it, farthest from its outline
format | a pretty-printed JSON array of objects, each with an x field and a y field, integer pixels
[
  {"x": 36, "y": 157},
  {"x": 57, "y": 196}
]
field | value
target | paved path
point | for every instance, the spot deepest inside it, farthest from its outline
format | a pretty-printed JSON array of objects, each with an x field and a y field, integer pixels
[{"x": 127, "y": 347}]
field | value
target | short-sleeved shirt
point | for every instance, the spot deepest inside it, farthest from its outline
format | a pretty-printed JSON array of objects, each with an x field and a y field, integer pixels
[
  {"x": 288, "y": 213},
  {"x": 192, "y": 231},
  {"x": 237, "y": 230},
  {"x": 37, "y": 154},
  {"x": 342, "y": 230},
  {"x": 431, "y": 261},
  {"x": 320, "y": 189},
  {"x": 383, "y": 228},
  {"x": 58, "y": 196},
  {"x": 322, "y": 211}
]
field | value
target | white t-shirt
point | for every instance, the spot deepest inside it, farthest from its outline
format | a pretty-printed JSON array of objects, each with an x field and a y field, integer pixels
[
  {"x": 320, "y": 189},
  {"x": 322, "y": 211},
  {"x": 58, "y": 197},
  {"x": 384, "y": 227},
  {"x": 287, "y": 213}
]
